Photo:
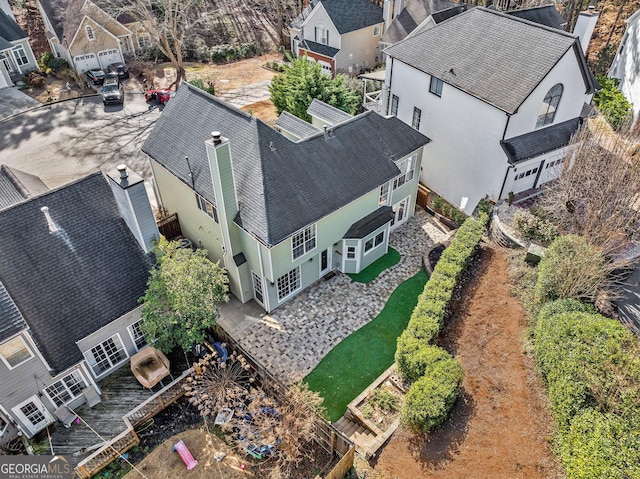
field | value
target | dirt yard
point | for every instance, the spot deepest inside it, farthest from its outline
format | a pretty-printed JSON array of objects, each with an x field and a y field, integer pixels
[{"x": 500, "y": 427}]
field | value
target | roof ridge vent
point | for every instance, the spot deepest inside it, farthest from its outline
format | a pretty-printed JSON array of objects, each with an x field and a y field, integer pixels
[{"x": 52, "y": 226}]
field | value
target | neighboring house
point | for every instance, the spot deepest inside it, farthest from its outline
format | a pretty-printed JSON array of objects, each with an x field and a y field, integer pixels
[
  {"x": 499, "y": 96},
  {"x": 280, "y": 214},
  {"x": 87, "y": 36},
  {"x": 6, "y": 8},
  {"x": 342, "y": 36},
  {"x": 73, "y": 264},
  {"x": 16, "y": 56},
  {"x": 626, "y": 64}
]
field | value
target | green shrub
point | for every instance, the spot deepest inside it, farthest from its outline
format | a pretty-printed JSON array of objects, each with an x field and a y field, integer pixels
[
  {"x": 612, "y": 103},
  {"x": 431, "y": 397},
  {"x": 561, "y": 306},
  {"x": 534, "y": 228},
  {"x": 198, "y": 83},
  {"x": 385, "y": 400},
  {"x": 571, "y": 268},
  {"x": 423, "y": 361}
]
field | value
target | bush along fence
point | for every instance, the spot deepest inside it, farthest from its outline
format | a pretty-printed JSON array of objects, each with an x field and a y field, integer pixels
[
  {"x": 591, "y": 365},
  {"x": 435, "y": 376}
]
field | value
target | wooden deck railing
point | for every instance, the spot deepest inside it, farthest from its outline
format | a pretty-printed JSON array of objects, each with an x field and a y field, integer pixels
[{"x": 115, "y": 447}]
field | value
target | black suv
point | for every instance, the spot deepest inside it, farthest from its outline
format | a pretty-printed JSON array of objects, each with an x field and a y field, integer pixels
[
  {"x": 112, "y": 92},
  {"x": 95, "y": 76},
  {"x": 120, "y": 68}
]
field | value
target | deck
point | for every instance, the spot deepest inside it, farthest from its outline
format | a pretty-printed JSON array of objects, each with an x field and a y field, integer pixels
[{"x": 121, "y": 393}]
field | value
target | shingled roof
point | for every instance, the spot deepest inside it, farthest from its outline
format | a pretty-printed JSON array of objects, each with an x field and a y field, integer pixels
[
  {"x": 295, "y": 126},
  {"x": 539, "y": 142},
  {"x": 327, "y": 113},
  {"x": 544, "y": 15},
  {"x": 281, "y": 185},
  {"x": 413, "y": 14},
  {"x": 346, "y": 15},
  {"x": 9, "y": 31},
  {"x": 69, "y": 284},
  {"x": 11, "y": 321},
  {"x": 16, "y": 186},
  {"x": 495, "y": 57}
]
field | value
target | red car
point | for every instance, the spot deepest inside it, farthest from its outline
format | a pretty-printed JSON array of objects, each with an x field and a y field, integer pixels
[{"x": 158, "y": 95}]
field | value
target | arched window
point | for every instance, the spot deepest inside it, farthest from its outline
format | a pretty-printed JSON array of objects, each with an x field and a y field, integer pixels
[
  {"x": 90, "y": 34},
  {"x": 549, "y": 106}
]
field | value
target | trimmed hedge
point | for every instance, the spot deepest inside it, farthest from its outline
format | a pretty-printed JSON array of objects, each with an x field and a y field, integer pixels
[
  {"x": 591, "y": 365},
  {"x": 434, "y": 374}
]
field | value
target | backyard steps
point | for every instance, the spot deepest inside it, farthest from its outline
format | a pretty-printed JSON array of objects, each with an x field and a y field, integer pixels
[{"x": 365, "y": 442}]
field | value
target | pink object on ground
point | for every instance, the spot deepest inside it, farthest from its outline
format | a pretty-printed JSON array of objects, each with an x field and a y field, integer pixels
[{"x": 185, "y": 454}]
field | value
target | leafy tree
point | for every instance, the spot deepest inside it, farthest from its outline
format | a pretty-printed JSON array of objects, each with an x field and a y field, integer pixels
[
  {"x": 182, "y": 297},
  {"x": 302, "y": 81},
  {"x": 612, "y": 103}
]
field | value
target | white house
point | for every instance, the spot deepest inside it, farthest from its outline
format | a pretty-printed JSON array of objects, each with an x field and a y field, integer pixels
[
  {"x": 626, "y": 64},
  {"x": 498, "y": 95},
  {"x": 339, "y": 35}
]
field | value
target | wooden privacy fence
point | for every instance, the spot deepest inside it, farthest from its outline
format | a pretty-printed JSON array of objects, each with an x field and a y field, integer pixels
[
  {"x": 169, "y": 226},
  {"x": 115, "y": 447},
  {"x": 344, "y": 465}
]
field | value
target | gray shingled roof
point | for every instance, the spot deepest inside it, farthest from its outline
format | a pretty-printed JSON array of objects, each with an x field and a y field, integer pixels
[
  {"x": 16, "y": 186},
  {"x": 539, "y": 142},
  {"x": 413, "y": 14},
  {"x": 325, "y": 50},
  {"x": 545, "y": 15},
  {"x": 56, "y": 12},
  {"x": 370, "y": 223},
  {"x": 495, "y": 57},
  {"x": 443, "y": 15},
  {"x": 69, "y": 284},
  {"x": 327, "y": 113},
  {"x": 346, "y": 15},
  {"x": 281, "y": 185},
  {"x": 9, "y": 29},
  {"x": 296, "y": 126},
  {"x": 11, "y": 321}
]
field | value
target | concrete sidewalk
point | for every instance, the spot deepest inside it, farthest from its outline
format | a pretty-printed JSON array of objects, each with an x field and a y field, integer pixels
[{"x": 247, "y": 94}]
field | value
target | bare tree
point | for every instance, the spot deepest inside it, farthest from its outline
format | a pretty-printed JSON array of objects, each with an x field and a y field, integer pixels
[
  {"x": 598, "y": 192},
  {"x": 168, "y": 22}
]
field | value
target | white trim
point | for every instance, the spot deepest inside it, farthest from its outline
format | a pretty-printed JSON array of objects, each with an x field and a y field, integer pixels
[
  {"x": 87, "y": 354},
  {"x": 257, "y": 280},
  {"x": 7, "y": 418},
  {"x": 329, "y": 251},
  {"x": 30, "y": 427},
  {"x": 397, "y": 222},
  {"x": 26, "y": 346},
  {"x": 373, "y": 237},
  {"x": 60, "y": 378},
  {"x": 305, "y": 250},
  {"x": 267, "y": 300},
  {"x": 133, "y": 339},
  {"x": 87, "y": 374},
  {"x": 293, "y": 291},
  {"x": 345, "y": 253}
]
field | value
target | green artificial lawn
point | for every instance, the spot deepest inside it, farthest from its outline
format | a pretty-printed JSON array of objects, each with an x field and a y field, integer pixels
[
  {"x": 359, "y": 359},
  {"x": 372, "y": 271}
]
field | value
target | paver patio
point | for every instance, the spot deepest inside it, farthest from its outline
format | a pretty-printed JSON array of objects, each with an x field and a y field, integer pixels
[{"x": 295, "y": 337}]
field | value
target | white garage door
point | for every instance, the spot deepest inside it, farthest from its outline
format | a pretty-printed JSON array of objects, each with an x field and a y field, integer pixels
[
  {"x": 107, "y": 57},
  {"x": 525, "y": 178},
  {"x": 86, "y": 62}
]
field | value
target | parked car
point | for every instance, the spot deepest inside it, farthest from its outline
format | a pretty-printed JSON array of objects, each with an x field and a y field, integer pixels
[
  {"x": 159, "y": 95},
  {"x": 112, "y": 92},
  {"x": 95, "y": 76},
  {"x": 120, "y": 68}
]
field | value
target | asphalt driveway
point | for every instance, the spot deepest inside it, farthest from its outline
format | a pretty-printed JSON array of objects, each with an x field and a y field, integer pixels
[
  {"x": 13, "y": 101},
  {"x": 71, "y": 139}
]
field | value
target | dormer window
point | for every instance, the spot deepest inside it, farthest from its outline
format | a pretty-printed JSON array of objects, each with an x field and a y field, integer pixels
[
  {"x": 90, "y": 35},
  {"x": 322, "y": 34},
  {"x": 15, "y": 352},
  {"x": 549, "y": 106}
]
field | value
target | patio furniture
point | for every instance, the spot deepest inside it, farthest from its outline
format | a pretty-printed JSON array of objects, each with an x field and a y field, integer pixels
[
  {"x": 65, "y": 416},
  {"x": 92, "y": 396},
  {"x": 150, "y": 366}
]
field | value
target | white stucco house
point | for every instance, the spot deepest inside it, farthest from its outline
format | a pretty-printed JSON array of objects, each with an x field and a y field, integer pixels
[
  {"x": 626, "y": 64},
  {"x": 342, "y": 36},
  {"x": 499, "y": 96}
]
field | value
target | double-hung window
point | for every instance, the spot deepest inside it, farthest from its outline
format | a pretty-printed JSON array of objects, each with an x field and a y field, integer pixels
[
  {"x": 415, "y": 122},
  {"x": 137, "y": 335},
  {"x": 406, "y": 167},
  {"x": 20, "y": 55},
  {"x": 303, "y": 241},
  {"x": 66, "y": 389},
  {"x": 207, "y": 207},
  {"x": 394, "y": 104},
  {"x": 435, "y": 86},
  {"x": 15, "y": 352},
  {"x": 106, "y": 355},
  {"x": 383, "y": 197}
]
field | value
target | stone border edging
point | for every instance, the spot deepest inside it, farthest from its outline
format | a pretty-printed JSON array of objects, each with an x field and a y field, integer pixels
[{"x": 497, "y": 223}]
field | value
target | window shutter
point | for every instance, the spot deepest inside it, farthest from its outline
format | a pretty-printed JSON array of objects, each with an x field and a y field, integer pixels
[
  {"x": 315, "y": 38},
  {"x": 327, "y": 30}
]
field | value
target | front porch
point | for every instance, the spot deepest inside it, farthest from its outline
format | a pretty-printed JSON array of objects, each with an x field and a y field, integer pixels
[
  {"x": 122, "y": 396},
  {"x": 372, "y": 99}
]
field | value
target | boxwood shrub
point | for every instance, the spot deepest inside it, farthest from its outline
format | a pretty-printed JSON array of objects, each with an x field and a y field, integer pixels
[
  {"x": 591, "y": 365},
  {"x": 434, "y": 374}
]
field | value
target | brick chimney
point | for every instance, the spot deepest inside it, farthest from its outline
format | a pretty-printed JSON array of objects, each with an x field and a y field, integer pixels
[{"x": 132, "y": 200}]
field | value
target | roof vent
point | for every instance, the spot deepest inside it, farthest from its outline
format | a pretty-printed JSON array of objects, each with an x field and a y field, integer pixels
[
  {"x": 326, "y": 131},
  {"x": 123, "y": 171},
  {"x": 217, "y": 137},
  {"x": 52, "y": 226},
  {"x": 272, "y": 147},
  {"x": 591, "y": 8}
]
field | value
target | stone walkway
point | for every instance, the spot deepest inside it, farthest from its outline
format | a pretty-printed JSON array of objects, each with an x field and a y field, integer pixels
[{"x": 295, "y": 337}]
